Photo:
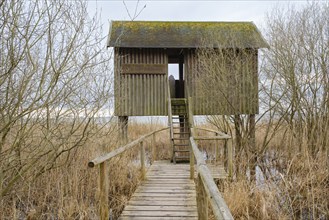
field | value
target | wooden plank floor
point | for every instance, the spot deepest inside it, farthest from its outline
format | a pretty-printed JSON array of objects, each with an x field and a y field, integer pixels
[{"x": 168, "y": 193}]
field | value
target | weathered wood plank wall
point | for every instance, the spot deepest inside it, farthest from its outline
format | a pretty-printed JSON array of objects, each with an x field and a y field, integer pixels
[
  {"x": 141, "y": 90},
  {"x": 229, "y": 94},
  {"x": 139, "y": 93}
]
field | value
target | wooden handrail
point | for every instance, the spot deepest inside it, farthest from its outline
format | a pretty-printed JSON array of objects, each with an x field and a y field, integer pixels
[
  {"x": 225, "y": 136},
  {"x": 103, "y": 180},
  {"x": 122, "y": 149},
  {"x": 219, "y": 207},
  {"x": 211, "y": 138},
  {"x": 207, "y": 188}
]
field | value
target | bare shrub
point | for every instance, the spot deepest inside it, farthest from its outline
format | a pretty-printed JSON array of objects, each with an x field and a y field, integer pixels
[{"x": 55, "y": 79}]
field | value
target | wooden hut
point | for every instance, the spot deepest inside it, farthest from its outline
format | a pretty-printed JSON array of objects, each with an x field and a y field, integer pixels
[{"x": 143, "y": 50}]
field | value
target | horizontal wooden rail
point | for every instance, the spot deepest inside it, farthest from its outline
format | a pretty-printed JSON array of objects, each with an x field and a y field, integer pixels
[
  {"x": 122, "y": 149},
  {"x": 103, "y": 179},
  {"x": 211, "y": 137},
  {"x": 221, "y": 134}
]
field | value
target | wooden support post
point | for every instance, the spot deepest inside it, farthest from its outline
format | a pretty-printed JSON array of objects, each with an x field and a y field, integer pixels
[
  {"x": 252, "y": 146},
  {"x": 123, "y": 126},
  {"x": 230, "y": 158},
  {"x": 142, "y": 160},
  {"x": 191, "y": 163},
  {"x": 103, "y": 186},
  {"x": 202, "y": 200}
]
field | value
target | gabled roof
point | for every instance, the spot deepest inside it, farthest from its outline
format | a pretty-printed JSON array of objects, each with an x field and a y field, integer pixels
[{"x": 168, "y": 34}]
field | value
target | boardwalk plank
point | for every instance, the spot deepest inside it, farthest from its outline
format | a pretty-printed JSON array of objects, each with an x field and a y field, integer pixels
[
  {"x": 160, "y": 213},
  {"x": 190, "y": 203},
  {"x": 158, "y": 218},
  {"x": 167, "y": 193},
  {"x": 161, "y": 208}
]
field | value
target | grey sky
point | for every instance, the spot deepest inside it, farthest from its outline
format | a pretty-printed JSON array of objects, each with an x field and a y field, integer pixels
[{"x": 172, "y": 10}]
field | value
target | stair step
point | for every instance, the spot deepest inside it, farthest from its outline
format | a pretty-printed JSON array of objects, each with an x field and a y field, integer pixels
[
  {"x": 182, "y": 151},
  {"x": 182, "y": 157},
  {"x": 177, "y": 127},
  {"x": 181, "y": 144},
  {"x": 178, "y": 100},
  {"x": 181, "y": 138},
  {"x": 178, "y": 103}
]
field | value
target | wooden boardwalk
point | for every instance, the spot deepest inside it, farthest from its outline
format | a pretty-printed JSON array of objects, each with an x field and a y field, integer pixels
[{"x": 167, "y": 193}]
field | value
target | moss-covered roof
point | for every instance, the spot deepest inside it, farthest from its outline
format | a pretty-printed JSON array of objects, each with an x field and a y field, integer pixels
[{"x": 159, "y": 34}]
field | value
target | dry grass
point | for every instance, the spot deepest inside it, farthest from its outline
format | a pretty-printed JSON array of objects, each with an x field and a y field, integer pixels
[
  {"x": 298, "y": 190},
  {"x": 300, "y": 193},
  {"x": 71, "y": 191},
  {"x": 291, "y": 185}
]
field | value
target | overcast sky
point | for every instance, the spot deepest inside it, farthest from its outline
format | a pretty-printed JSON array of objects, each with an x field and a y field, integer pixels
[{"x": 172, "y": 10}]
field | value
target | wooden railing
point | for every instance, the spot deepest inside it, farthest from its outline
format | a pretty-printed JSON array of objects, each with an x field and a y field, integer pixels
[
  {"x": 103, "y": 172},
  {"x": 228, "y": 147},
  {"x": 207, "y": 190}
]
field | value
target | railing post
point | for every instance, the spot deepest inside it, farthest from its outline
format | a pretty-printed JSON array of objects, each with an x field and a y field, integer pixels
[
  {"x": 230, "y": 158},
  {"x": 103, "y": 186},
  {"x": 191, "y": 163},
  {"x": 142, "y": 160},
  {"x": 216, "y": 148},
  {"x": 225, "y": 154},
  {"x": 202, "y": 200}
]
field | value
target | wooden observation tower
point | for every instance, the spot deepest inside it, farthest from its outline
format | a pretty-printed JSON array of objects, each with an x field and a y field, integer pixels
[
  {"x": 143, "y": 87},
  {"x": 144, "y": 49}
]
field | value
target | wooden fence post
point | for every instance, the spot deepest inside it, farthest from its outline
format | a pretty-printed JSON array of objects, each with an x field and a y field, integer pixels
[
  {"x": 142, "y": 160},
  {"x": 202, "y": 200},
  {"x": 225, "y": 155},
  {"x": 103, "y": 186},
  {"x": 216, "y": 148}
]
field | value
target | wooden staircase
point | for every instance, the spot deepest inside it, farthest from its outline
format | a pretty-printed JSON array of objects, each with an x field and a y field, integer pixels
[{"x": 181, "y": 130}]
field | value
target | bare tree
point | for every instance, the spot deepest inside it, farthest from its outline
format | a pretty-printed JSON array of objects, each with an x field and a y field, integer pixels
[
  {"x": 230, "y": 75},
  {"x": 296, "y": 72},
  {"x": 54, "y": 79}
]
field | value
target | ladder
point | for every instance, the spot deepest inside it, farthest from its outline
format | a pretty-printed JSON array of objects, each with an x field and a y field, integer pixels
[{"x": 181, "y": 131}]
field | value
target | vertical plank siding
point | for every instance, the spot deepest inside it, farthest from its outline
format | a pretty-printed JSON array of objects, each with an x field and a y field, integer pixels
[
  {"x": 140, "y": 94},
  {"x": 234, "y": 93}
]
